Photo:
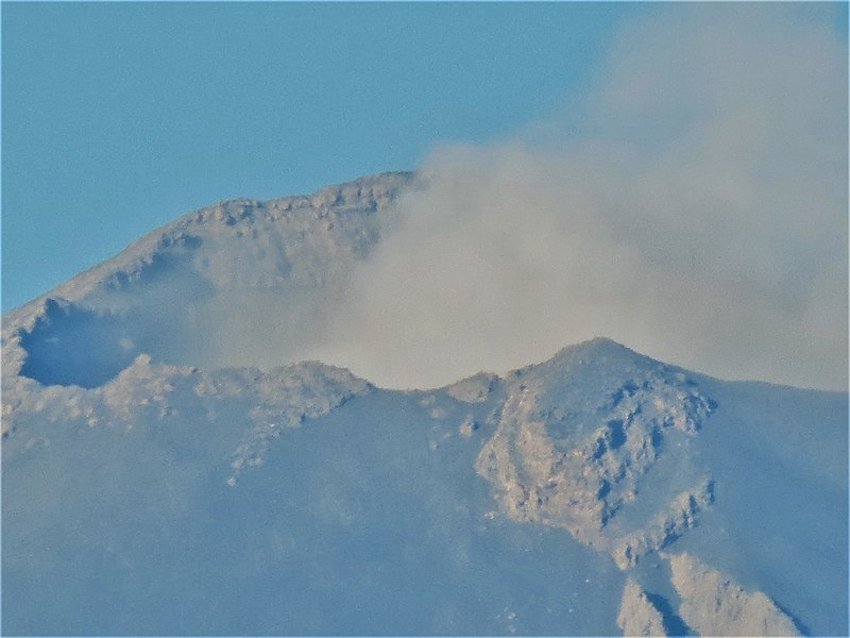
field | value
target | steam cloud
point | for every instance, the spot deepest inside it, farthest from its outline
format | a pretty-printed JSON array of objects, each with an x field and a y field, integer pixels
[{"x": 692, "y": 205}]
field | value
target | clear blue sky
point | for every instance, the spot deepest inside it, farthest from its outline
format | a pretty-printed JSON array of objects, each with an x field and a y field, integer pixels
[{"x": 117, "y": 118}]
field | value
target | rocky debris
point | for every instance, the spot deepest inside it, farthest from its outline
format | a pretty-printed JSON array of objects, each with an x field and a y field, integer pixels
[
  {"x": 714, "y": 605},
  {"x": 468, "y": 426},
  {"x": 140, "y": 386},
  {"x": 474, "y": 389},
  {"x": 285, "y": 398},
  {"x": 578, "y": 475},
  {"x": 665, "y": 527},
  {"x": 638, "y": 616},
  {"x": 146, "y": 394}
]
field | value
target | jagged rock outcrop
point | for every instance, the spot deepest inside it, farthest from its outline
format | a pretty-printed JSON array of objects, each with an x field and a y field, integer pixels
[
  {"x": 714, "y": 605},
  {"x": 474, "y": 389},
  {"x": 666, "y": 527},
  {"x": 574, "y": 466},
  {"x": 638, "y": 616}
]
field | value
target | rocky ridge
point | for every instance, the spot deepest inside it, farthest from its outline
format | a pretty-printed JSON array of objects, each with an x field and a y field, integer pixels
[
  {"x": 578, "y": 475},
  {"x": 714, "y": 605},
  {"x": 184, "y": 277},
  {"x": 638, "y": 616}
]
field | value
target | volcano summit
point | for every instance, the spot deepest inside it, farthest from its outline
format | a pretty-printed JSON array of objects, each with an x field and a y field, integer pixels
[{"x": 177, "y": 461}]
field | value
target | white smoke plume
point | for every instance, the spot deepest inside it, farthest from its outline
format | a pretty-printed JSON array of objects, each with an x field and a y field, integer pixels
[{"x": 692, "y": 205}]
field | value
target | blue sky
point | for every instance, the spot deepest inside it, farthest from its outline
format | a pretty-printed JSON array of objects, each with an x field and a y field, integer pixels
[{"x": 117, "y": 118}]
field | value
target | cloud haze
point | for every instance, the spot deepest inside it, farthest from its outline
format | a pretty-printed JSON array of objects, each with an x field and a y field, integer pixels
[{"x": 692, "y": 205}]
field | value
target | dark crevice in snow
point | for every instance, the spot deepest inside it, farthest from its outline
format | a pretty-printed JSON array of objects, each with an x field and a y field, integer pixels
[
  {"x": 672, "y": 621},
  {"x": 804, "y": 629}
]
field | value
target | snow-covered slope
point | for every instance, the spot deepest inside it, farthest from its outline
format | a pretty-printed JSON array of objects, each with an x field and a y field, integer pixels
[
  {"x": 148, "y": 489},
  {"x": 205, "y": 289}
]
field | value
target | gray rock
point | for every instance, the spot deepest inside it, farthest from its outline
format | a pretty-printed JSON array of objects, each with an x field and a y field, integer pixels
[
  {"x": 638, "y": 616},
  {"x": 666, "y": 527},
  {"x": 714, "y": 605},
  {"x": 561, "y": 462}
]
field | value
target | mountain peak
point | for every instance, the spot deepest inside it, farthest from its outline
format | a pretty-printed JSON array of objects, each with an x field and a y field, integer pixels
[
  {"x": 592, "y": 359},
  {"x": 167, "y": 429},
  {"x": 596, "y": 348}
]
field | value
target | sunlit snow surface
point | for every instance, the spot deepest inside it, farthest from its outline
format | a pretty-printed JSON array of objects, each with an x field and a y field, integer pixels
[{"x": 149, "y": 490}]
